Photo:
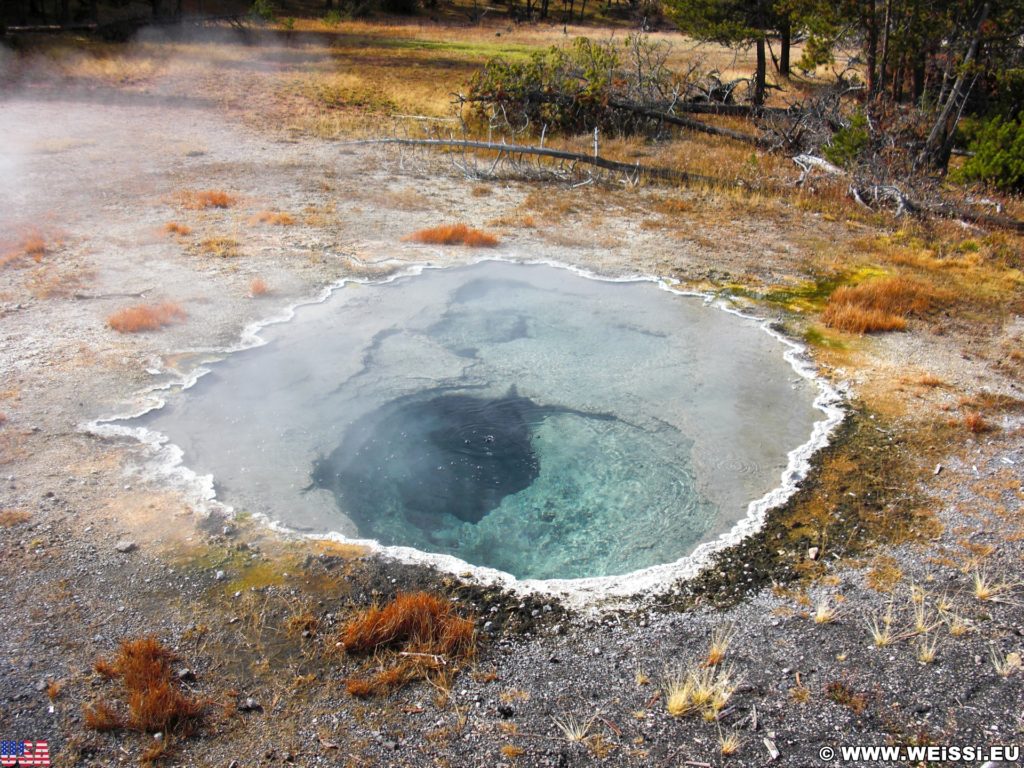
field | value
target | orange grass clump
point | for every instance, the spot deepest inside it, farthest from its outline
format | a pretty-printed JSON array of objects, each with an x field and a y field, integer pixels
[
  {"x": 454, "y": 234},
  {"x": 276, "y": 218},
  {"x": 100, "y": 716},
  {"x": 976, "y": 423},
  {"x": 174, "y": 228},
  {"x": 146, "y": 317},
  {"x": 11, "y": 517},
  {"x": 879, "y": 305},
  {"x": 206, "y": 198},
  {"x": 422, "y": 629},
  {"x": 258, "y": 287},
  {"x": 155, "y": 703},
  {"x": 35, "y": 246}
]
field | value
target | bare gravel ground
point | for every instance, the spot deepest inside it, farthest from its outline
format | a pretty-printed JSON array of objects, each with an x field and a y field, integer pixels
[{"x": 93, "y": 554}]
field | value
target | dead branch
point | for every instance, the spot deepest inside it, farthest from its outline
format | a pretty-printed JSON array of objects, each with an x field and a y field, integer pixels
[
  {"x": 630, "y": 169},
  {"x": 685, "y": 122}
]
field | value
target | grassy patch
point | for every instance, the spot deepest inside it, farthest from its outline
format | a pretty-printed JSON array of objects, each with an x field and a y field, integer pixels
[
  {"x": 878, "y": 305},
  {"x": 146, "y": 317},
  {"x": 202, "y": 199},
  {"x": 415, "y": 636},
  {"x": 221, "y": 247},
  {"x": 454, "y": 234},
  {"x": 155, "y": 702},
  {"x": 276, "y": 218}
]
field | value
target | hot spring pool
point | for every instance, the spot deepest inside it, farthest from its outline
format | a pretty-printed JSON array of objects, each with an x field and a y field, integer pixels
[{"x": 519, "y": 417}]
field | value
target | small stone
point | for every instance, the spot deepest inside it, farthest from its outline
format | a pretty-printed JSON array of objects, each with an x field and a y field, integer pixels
[
  {"x": 812, "y": 553},
  {"x": 41, "y": 685},
  {"x": 389, "y": 744},
  {"x": 250, "y": 705},
  {"x": 220, "y": 576},
  {"x": 158, "y": 736},
  {"x": 186, "y": 674},
  {"x": 126, "y": 545}
]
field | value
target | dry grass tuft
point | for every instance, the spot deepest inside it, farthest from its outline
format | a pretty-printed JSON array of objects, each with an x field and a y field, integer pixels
[
  {"x": 878, "y": 305},
  {"x": 422, "y": 632},
  {"x": 34, "y": 245},
  {"x": 100, "y": 716},
  {"x": 277, "y": 218},
  {"x": 155, "y": 703},
  {"x": 175, "y": 228},
  {"x": 146, "y": 317},
  {"x": 223, "y": 247},
  {"x": 841, "y": 693},
  {"x": 419, "y": 622},
  {"x": 976, "y": 423},
  {"x": 824, "y": 612},
  {"x": 258, "y": 287},
  {"x": 454, "y": 234},
  {"x": 198, "y": 200},
  {"x": 11, "y": 517},
  {"x": 704, "y": 690},
  {"x": 721, "y": 638}
]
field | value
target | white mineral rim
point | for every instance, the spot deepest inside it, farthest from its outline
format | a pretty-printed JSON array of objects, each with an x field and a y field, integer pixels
[{"x": 165, "y": 459}]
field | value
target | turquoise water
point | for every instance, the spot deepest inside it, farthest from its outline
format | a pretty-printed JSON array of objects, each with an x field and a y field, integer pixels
[{"x": 520, "y": 417}]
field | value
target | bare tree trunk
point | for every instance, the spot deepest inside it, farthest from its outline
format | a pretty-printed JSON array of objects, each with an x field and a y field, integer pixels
[
  {"x": 759, "y": 76},
  {"x": 937, "y": 147},
  {"x": 785, "y": 41},
  {"x": 919, "y": 77},
  {"x": 883, "y": 63},
  {"x": 871, "y": 54}
]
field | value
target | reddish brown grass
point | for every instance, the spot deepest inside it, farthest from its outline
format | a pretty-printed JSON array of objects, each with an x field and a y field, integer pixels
[
  {"x": 419, "y": 622},
  {"x": 198, "y": 200},
  {"x": 146, "y": 317},
  {"x": 174, "y": 228},
  {"x": 976, "y": 423},
  {"x": 11, "y": 517},
  {"x": 155, "y": 702},
  {"x": 34, "y": 245},
  {"x": 258, "y": 287},
  {"x": 879, "y": 305},
  {"x": 454, "y": 234},
  {"x": 423, "y": 630},
  {"x": 100, "y": 716},
  {"x": 277, "y": 218}
]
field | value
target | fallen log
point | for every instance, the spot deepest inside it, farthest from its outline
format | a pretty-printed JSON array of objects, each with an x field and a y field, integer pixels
[
  {"x": 693, "y": 125},
  {"x": 651, "y": 171}
]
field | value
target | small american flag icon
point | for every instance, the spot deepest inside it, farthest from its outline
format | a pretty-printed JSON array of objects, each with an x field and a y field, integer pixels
[{"x": 24, "y": 754}]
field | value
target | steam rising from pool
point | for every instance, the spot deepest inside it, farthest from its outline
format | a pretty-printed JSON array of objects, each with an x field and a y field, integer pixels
[{"x": 519, "y": 417}]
